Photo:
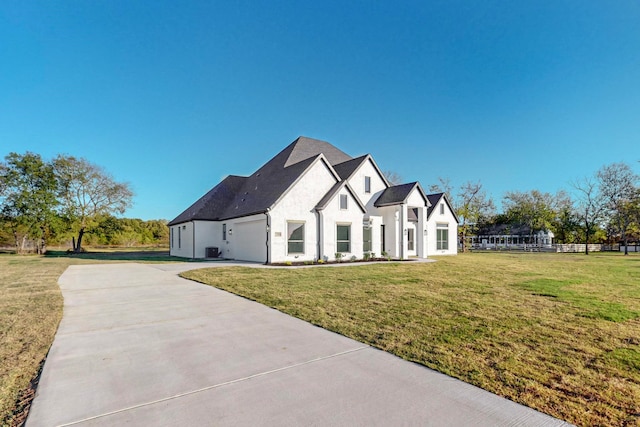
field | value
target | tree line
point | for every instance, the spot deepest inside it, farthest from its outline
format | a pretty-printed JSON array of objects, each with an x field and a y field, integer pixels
[
  {"x": 71, "y": 199},
  {"x": 67, "y": 199},
  {"x": 602, "y": 207}
]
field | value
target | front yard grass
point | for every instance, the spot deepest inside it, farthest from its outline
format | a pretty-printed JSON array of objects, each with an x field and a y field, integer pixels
[{"x": 557, "y": 332}]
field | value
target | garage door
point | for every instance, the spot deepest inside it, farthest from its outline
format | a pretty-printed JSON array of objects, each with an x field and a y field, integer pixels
[{"x": 250, "y": 241}]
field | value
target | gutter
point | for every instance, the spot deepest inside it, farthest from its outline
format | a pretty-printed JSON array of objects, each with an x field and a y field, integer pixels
[
  {"x": 320, "y": 236},
  {"x": 268, "y": 243}
]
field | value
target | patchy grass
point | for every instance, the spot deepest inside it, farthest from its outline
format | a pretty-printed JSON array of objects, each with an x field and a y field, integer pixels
[
  {"x": 30, "y": 311},
  {"x": 557, "y": 332}
]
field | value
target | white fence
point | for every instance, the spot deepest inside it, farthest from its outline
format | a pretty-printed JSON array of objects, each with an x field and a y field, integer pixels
[{"x": 577, "y": 247}]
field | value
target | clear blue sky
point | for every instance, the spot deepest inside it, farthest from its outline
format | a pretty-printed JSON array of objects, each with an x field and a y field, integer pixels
[{"x": 173, "y": 96}]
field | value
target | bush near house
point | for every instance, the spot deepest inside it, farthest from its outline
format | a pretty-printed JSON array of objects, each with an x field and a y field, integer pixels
[{"x": 557, "y": 332}]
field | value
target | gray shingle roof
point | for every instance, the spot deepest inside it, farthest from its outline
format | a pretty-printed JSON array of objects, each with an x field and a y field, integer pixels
[
  {"x": 242, "y": 196},
  {"x": 398, "y": 194},
  {"x": 346, "y": 169},
  {"x": 433, "y": 200},
  {"x": 304, "y": 148}
]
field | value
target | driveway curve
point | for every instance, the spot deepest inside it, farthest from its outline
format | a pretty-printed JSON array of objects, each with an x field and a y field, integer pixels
[{"x": 139, "y": 345}]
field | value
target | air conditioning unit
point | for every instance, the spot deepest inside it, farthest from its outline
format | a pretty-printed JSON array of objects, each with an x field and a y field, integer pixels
[{"x": 212, "y": 252}]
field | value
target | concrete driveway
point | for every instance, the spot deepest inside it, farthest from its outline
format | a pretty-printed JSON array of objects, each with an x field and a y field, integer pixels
[{"x": 138, "y": 345}]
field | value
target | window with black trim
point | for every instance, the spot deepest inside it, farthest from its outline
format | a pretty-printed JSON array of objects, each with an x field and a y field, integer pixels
[
  {"x": 224, "y": 231},
  {"x": 442, "y": 236},
  {"x": 343, "y": 238},
  {"x": 367, "y": 184},
  {"x": 295, "y": 237}
]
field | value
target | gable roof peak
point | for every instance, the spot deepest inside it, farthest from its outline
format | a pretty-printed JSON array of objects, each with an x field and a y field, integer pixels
[
  {"x": 303, "y": 148},
  {"x": 398, "y": 194}
]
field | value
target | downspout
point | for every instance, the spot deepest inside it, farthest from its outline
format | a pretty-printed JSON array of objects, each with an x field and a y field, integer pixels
[
  {"x": 194, "y": 241},
  {"x": 401, "y": 216},
  {"x": 320, "y": 237},
  {"x": 268, "y": 243}
]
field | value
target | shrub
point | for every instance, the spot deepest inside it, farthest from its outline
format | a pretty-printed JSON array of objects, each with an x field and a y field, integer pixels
[
  {"x": 339, "y": 256},
  {"x": 366, "y": 256},
  {"x": 353, "y": 258}
]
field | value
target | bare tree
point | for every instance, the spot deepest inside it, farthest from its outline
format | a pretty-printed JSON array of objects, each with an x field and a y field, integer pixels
[
  {"x": 443, "y": 186},
  {"x": 473, "y": 205},
  {"x": 618, "y": 187},
  {"x": 393, "y": 177},
  {"x": 590, "y": 207}
]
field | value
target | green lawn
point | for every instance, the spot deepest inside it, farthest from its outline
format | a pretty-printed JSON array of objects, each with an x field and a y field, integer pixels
[
  {"x": 556, "y": 332},
  {"x": 30, "y": 310}
]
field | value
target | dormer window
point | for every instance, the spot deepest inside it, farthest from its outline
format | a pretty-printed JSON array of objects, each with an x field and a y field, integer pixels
[{"x": 367, "y": 184}]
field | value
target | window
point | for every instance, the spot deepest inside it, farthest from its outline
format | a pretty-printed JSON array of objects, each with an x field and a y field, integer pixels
[
  {"x": 343, "y": 241},
  {"x": 172, "y": 237},
  {"x": 367, "y": 184},
  {"x": 343, "y": 201},
  {"x": 295, "y": 237},
  {"x": 179, "y": 239},
  {"x": 410, "y": 239},
  {"x": 441, "y": 208},
  {"x": 366, "y": 239},
  {"x": 442, "y": 236},
  {"x": 224, "y": 231}
]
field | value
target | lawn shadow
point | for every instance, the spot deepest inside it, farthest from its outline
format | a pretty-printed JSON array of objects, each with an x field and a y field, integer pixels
[{"x": 120, "y": 255}]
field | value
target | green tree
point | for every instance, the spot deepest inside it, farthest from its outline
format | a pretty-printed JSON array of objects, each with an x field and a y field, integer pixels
[
  {"x": 589, "y": 207},
  {"x": 534, "y": 209},
  {"x": 618, "y": 186},
  {"x": 473, "y": 205},
  {"x": 565, "y": 224},
  {"x": 87, "y": 193},
  {"x": 159, "y": 231},
  {"x": 28, "y": 199}
]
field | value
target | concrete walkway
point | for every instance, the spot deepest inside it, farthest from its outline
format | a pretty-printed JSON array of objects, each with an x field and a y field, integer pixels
[{"x": 138, "y": 345}]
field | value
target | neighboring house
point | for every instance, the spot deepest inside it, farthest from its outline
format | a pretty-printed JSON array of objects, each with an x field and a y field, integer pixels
[
  {"x": 307, "y": 203},
  {"x": 442, "y": 226},
  {"x": 511, "y": 236}
]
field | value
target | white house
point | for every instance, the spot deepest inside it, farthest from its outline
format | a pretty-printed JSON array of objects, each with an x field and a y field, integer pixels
[
  {"x": 442, "y": 226},
  {"x": 309, "y": 202}
]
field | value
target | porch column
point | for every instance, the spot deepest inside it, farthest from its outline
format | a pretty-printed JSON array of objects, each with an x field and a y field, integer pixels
[
  {"x": 421, "y": 233},
  {"x": 404, "y": 232},
  {"x": 397, "y": 233}
]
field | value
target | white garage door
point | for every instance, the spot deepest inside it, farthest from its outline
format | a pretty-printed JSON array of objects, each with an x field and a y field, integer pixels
[{"x": 250, "y": 241}]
